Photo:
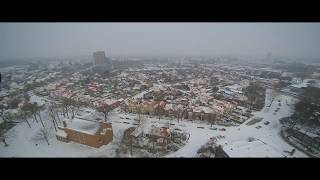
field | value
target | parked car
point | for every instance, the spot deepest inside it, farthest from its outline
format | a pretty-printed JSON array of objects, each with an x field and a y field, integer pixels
[
  {"x": 266, "y": 123},
  {"x": 258, "y": 127},
  {"x": 213, "y": 128},
  {"x": 222, "y": 129}
]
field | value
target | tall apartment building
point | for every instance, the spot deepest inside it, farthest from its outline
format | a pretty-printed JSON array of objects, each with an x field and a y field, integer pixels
[
  {"x": 100, "y": 62},
  {"x": 99, "y": 58}
]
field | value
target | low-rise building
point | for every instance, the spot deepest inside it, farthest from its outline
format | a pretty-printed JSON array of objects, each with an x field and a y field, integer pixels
[{"x": 91, "y": 133}]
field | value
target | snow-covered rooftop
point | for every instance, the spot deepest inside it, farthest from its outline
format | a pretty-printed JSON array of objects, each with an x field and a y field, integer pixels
[
  {"x": 61, "y": 133},
  {"x": 85, "y": 126}
]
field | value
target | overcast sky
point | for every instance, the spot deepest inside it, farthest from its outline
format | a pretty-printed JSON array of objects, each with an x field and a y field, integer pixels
[{"x": 71, "y": 39}]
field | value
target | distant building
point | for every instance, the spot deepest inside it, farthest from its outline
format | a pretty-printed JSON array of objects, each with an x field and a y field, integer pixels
[
  {"x": 101, "y": 63},
  {"x": 99, "y": 58}
]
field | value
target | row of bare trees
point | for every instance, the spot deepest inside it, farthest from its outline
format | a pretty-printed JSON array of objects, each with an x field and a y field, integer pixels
[
  {"x": 67, "y": 107},
  {"x": 23, "y": 114},
  {"x": 31, "y": 109}
]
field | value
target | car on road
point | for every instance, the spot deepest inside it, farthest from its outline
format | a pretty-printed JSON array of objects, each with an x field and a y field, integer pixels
[
  {"x": 258, "y": 127},
  {"x": 222, "y": 129}
]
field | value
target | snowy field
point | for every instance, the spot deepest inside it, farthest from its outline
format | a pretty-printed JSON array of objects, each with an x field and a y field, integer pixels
[{"x": 267, "y": 141}]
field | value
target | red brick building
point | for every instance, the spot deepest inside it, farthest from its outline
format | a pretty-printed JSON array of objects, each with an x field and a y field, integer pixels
[{"x": 91, "y": 133}]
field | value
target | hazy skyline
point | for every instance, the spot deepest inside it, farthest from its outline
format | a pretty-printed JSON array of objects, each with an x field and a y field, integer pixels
[{"x": 19, "y": 40}]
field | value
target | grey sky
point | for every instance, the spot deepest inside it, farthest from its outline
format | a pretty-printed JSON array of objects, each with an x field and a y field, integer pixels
[{"x": 68, "y": 39}]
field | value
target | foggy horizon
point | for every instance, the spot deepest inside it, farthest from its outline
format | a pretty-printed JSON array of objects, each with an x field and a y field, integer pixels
[{"x": 32, "y": 40}]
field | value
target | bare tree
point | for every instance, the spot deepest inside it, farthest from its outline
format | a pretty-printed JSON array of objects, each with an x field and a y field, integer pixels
[
  {"x": 73, "y": 105},
  {"x": 7, "y": 118},
  {"x": 53, "y": 117},
  {"x": 212, "y": 119},
  {"x": 272, "y": 95},
  {"x": 43, "y": 135},
  {"x": 158, "y": 112},
  {"x": 52, "y": 111},
  {"x": 179, "y": 113},
  {"x": 66, "y": 105},
  {"x": 38, "y": 112},
  {"x": 131, "y": 144},
  {"x": 140, "y": 111},
  {"x": 2, "y": 107},
  {"x": 58, "y": 110},
  {"x": 32, "y": 108},
  {"x": 3, "y": 139},
  {"x": 105, "y": 109},
  {"x": 24, "y": 115},
  {"x": 117, "y": 143},
  {"x": 153, "y": 139}
]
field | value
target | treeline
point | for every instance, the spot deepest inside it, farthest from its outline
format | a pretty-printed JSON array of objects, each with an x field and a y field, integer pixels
[
  {"x": 256, "y": 95},
  {"x": 7, "y": 63},
  {"x": 307, "y": 110},
  {"x": 300, "y": 69}
]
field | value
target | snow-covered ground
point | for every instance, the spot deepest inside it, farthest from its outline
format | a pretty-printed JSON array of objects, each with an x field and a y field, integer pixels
[
  {"x": 267, "y": 143},
  {"x": 22, "y": 144}
]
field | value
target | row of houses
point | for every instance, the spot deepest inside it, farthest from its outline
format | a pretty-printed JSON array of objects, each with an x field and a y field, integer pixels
[
  {"x": 80, "y": 97},
  {"x": 216, "y": 110}
]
